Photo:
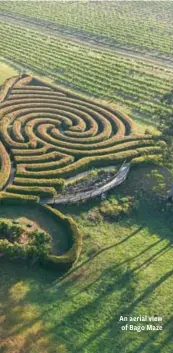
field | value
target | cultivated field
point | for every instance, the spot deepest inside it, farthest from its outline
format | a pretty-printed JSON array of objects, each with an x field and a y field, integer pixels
[
  {"x": 135, "y": 84},
  {"x": 138, "y": 26}
]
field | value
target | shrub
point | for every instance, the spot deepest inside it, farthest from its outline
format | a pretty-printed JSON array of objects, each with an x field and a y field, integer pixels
[
  {"x": 11, "y": 233},
  {"x": 5, "y": 166},
  {"x": 115, "y": 209}
]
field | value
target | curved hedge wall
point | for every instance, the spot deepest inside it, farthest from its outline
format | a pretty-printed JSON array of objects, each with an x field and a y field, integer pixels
[
  {"x": 57, "y": 262},
  {"x": 5, "y": 166}
]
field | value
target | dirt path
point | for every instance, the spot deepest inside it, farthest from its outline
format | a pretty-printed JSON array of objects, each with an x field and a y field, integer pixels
[{"x": 85, "y": 38}]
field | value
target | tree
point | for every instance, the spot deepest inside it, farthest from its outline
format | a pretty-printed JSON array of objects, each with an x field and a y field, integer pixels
[
  {"x": 11, "y": 233},
  {"x": 4, "y": 230},
  {"x": 164, "y": 116},
  {"x": 42, "y": 242},
  {"x": 15, "y": 233}
]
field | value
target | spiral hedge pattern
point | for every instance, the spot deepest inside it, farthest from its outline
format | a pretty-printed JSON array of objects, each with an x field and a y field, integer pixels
[{"x": 52, "y": 133}]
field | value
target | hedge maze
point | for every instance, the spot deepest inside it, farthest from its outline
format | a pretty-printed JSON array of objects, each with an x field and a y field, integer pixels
[{"x": 49, "y": 133}]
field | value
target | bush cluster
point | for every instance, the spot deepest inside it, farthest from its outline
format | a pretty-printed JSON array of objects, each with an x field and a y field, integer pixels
[
  {"x": 37, "y": 248},
  {"x": 115, "y": 209},
  {"x": 10, "y": 232}
]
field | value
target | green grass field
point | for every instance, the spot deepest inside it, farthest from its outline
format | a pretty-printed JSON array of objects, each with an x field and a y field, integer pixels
[
  {"x": 6, "y": 71},
  {"x": 129, "y": 275}
]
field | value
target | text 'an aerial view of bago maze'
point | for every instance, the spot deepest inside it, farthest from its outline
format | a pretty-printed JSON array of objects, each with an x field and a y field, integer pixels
[{"x": 86, "y": 176}]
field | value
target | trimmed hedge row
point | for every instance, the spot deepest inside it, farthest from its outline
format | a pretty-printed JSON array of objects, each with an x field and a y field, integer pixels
[
  {"x": 101, "y": 116},
  {"x": 7, "y": 86},
  {"x": 17, "y": 131},
  {"x": 50, "y": 169},
  {"x": 49, "y": 139},
  {"x": 30, "y": 88},
  {"x": 30, "y": 153},
  {"x": 84, "y": 164},
  {"x": 14, "y": 199},
  {"x": 47, "y": 156},
  {"x": 147, "y": 159},
  {"x": 111, "y": 114},
  {"x": 67, "y": 147},
  {"x": 97, "y": 150},
  {"x": 99, "y": 137},
  {"x": 95, "y": 121},
  {"x": 57, "y": 183},
  {"x": 6, "y": 138},
  {"x": 20, "y": 94},
  {"x": 83, "y": 99},
  {"x": 46, "y": 166},
  {"x": 125, "y": 118},
  {"x": 5, "y": 166},
  {"x": 23, "y": 81},
  {"x": 94, "y": 110},
  {"x": 42, "y": 192},
  {"x": 72, "y": 255}
]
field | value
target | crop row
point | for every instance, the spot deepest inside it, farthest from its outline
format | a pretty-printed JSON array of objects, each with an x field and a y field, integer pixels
[
  {"x": 118, "y": 23},
  {"x": 132, "y": 85}
]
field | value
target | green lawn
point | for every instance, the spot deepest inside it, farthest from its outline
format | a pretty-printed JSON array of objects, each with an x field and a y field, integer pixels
[
  {"x": 6, "y": 71},
  {"x": 79, "y": 313}
]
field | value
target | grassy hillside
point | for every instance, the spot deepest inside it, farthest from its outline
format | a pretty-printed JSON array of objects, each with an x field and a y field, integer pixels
[{"x": 125, "y": 269}]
